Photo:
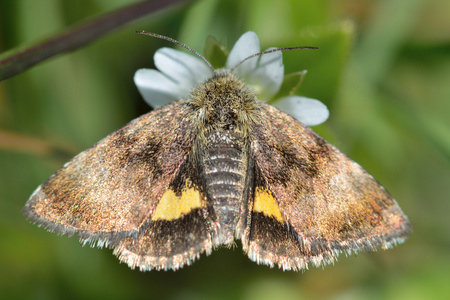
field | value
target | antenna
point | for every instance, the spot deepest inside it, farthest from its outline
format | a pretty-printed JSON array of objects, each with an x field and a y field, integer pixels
[
  {"x": 179, "y": 44},
  {"x": 163, "y": 37},
  {"x": 269, "y": 51}
]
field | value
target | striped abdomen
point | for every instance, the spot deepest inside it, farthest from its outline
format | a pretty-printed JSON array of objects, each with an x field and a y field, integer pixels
[{"x": 225, "y": 164}]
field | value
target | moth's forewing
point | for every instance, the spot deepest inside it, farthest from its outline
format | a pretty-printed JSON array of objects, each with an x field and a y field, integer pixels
[
  {"x": 109, "y": 191},
  {"x": 313, "y": 201}
]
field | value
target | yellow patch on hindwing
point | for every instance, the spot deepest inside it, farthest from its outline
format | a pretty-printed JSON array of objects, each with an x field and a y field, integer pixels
[
  {"x": 172, "y": 207},
  {"x": 266, "y": 204}
]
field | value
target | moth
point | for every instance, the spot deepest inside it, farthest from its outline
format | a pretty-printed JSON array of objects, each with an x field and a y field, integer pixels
[{"x": 217, "y": 166}]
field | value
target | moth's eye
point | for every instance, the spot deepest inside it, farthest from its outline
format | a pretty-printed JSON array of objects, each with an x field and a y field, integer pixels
[
  {"x": 228, "y": 126},
  {"x": 231, "y": 114}
]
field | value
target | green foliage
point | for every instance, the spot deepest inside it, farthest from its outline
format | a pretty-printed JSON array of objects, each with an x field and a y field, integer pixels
[{"x": 382, "y": 68}]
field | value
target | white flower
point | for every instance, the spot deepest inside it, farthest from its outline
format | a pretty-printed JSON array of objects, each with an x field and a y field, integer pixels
[{"x": 180, "y": 72}]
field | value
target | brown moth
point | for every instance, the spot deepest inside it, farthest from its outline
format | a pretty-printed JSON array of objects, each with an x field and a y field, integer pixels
[{"x": 220, "y": 165}]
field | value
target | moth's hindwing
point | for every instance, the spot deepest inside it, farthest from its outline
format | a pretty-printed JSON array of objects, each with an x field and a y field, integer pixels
[
  {"x": 177, "y": 231},
  {"x": 122, "y": 192},
  {"x": 311, "y": 201}
]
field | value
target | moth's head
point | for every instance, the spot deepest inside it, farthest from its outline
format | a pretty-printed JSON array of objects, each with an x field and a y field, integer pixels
[{"x": 223, "y": 101}]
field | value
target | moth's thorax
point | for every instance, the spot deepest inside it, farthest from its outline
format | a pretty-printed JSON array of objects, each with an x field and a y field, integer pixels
[{"x": 225, "y": 102}]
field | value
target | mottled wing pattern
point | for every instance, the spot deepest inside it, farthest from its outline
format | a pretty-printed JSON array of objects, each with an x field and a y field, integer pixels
[
  {"x": 178, "y": 230},
  {"x": 314, "y": 200},
  {"x": 109, "y": 194}
]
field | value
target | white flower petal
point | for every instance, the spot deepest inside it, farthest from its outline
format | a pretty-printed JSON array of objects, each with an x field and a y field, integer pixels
[
  {"x": 263, "y": 73},
  {"x": 246, "y": 45},
  {"x": 186, "y": 70},
  {"x": 308, "y": 111},
  {"x": 268, "y": 75},
  {"x": 156, "y": 89}
]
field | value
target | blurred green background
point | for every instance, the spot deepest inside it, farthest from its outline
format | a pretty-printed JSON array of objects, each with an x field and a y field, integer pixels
[{"x": 383, "y": 69}]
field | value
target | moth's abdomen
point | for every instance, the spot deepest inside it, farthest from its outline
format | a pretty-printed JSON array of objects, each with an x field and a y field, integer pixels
[{"x": 224, "y": 171}]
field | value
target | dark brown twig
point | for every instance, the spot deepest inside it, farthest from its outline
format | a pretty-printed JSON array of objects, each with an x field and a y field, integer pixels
[{"x": 77, "y": 36}]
